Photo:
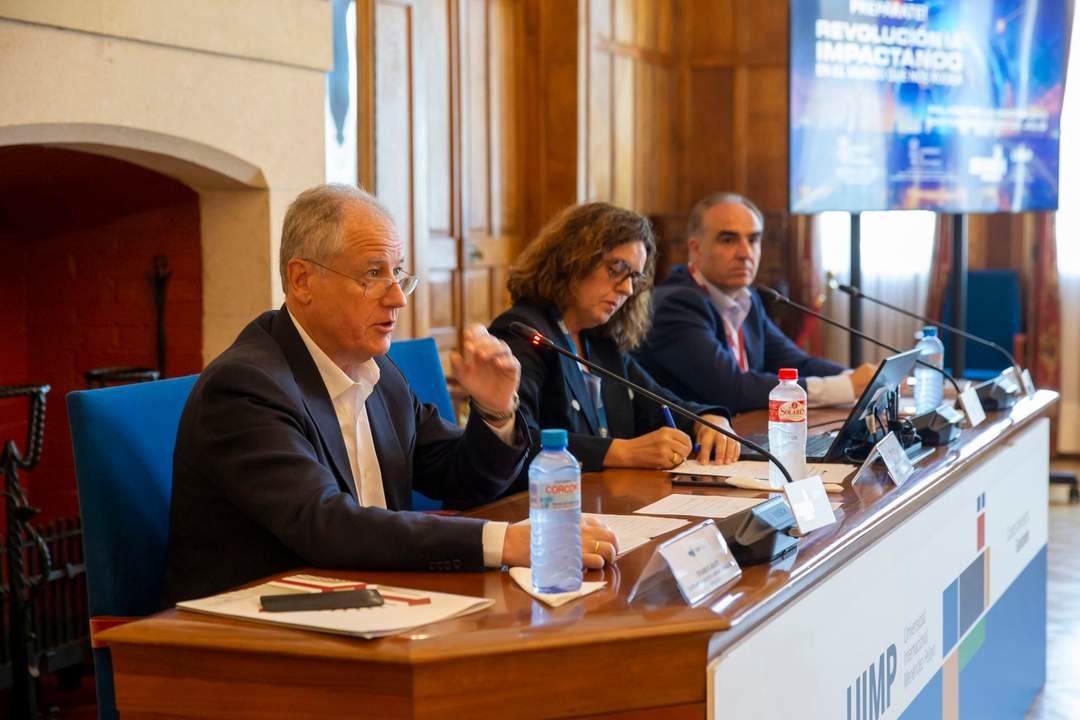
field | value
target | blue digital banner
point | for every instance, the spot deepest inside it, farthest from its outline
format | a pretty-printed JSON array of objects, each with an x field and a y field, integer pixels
[{"x": 945, "y": 105}]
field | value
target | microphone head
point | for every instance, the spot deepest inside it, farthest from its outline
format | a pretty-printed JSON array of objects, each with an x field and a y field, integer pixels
[
  {"x": 770, "y": 293},
  {"x": 833, "y": 283},
  {"x": 529, "y": 333},
  {"x": 847, "y": 288}
]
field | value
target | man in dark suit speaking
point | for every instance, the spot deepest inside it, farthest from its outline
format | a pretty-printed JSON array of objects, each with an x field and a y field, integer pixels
[
  {"x": 711, "y": 340},
  {"x": 301, "y": 444}
]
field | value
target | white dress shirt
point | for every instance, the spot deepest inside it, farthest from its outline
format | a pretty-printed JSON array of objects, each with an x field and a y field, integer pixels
[
  {"x": 734, "y": 307},
  {"x": 349, "y": 396}
]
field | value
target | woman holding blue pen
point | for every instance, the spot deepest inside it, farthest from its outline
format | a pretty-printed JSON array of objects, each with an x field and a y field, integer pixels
[{"x": 584, "y": 283}]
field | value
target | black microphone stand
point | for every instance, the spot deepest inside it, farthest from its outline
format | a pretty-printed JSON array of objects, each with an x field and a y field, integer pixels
[
  {"x": 785, "y": 300},
  {"x": 938, "y": 428},
  {"x": 536, "y": 338},
  {"x": 757, "y": 535},
  {"x": 992, "y": 393}
]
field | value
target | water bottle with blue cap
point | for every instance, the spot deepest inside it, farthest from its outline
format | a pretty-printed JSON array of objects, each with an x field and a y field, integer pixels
[{"x": 555, "y": 516}]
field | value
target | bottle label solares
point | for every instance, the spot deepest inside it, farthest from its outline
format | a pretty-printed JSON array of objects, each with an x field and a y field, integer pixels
[
  {"x": 564, "y": 495},
  {"x": 787, "y": 411}
]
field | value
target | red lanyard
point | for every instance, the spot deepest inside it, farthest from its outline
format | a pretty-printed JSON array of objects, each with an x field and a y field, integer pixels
[
  {"x": 743, "y": 364},
  {"x": 733, "y": 340}
]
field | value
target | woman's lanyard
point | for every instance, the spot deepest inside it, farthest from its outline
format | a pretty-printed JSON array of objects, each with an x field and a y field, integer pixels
[{"x": 592, "y": 382}]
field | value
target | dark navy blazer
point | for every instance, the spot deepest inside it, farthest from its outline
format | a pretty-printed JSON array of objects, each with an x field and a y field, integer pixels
[
  {"x": 262, "y": 482},
  {"x": 687, "y": 349},
  {"x": 553, "y": 392}
]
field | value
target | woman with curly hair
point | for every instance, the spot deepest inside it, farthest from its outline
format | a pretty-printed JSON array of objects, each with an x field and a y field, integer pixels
[{"x": 585, "y": 284}]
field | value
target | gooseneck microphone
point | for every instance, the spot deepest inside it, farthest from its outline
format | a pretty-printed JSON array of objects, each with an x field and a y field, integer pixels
[
  {"x": 856, "y": 292},
  {"x": 785, "y": 300},
  {"x": 537, "y": 338}
]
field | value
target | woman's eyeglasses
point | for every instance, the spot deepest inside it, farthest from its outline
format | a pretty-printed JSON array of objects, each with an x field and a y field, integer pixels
[{"x": 619, "y": 270}]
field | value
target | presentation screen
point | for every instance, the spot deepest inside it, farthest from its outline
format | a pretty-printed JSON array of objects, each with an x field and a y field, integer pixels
[{"x": 945, "y": 105}]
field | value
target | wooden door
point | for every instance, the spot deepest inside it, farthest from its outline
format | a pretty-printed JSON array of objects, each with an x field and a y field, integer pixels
[
  {"x": 408, "y": 156},
  {"x": 441, "y": 130},
  {"x": 491, "y": 64}
]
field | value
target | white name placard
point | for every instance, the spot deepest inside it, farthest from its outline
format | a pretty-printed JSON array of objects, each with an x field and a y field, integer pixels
[
  {"x": 969, "y": 400},
  {"x": 809, "y": 504},
  {"x": 897, "y": 463},
  {"x": 1029, "y": 384},
  {"x": 698, "y": 560}
]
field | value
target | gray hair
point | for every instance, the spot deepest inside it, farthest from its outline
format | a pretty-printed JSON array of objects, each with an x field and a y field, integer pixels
[
  {"x": 312, "y": 227},
  {"x": 697, "y": 216}
]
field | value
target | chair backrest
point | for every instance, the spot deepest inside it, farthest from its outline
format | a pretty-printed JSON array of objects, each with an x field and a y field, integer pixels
[
  {"x": 994, "y": 313},
  {"x": 419, "y": 362},
  {"x": 123, "y": 439}
]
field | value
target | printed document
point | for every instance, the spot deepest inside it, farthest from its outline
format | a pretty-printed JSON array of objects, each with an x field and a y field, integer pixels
[
  {"x": 633, "y": 531},
  {"x": 834, "y": 473},
  {"x": 402, "y": 610},
  {"x": 708, "y": 506}
]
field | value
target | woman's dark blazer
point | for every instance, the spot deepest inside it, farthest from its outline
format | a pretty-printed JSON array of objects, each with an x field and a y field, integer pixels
[{"x": 553, "y": 393}]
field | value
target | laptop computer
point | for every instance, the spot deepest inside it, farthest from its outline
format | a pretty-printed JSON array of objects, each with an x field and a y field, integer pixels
[{"x": 830, "y": 446}]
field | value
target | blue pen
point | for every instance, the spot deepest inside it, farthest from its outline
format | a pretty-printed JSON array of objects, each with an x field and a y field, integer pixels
[{"x": 669, "y": 420}]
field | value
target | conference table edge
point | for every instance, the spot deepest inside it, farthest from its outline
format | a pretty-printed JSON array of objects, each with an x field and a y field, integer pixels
[{"x": 875, "y": 526}]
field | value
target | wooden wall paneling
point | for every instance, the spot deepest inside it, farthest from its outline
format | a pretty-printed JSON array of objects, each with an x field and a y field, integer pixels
[
  {"x": 623, "y": 132},
  {"x": 761, "y": 31},
  {"x": 709, "y": 135},
  {"x": 441, "y": 296},
  {"x": 649, "y": 149},
  {"x": 492, "y": 170},
  {"x": 709, "y": 32},
  {"x": 395, "y": 147},
  {"x": 624, "y": 22},
  {"x": 597, "y": 79},
  {"x": 505, "y": 60},
  {"x": 631, "y": 78},
  {"x": 762, "y": 136},
  {"x": 761, "y": 102},
  {"x": 555, "y": 43},
  {"x": 600, "y": 19},
  {"x": 734, "y": 105},
  {"x": 475, "y": 117},
  {"x": 434, "y": 26},
  {"x": 365, "y": 110},
  {"x": 476, "y": 168},
  {"x": 662, "y": 179}
]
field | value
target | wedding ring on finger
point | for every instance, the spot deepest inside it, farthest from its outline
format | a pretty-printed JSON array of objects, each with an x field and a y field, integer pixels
[{"x": 596, "y": 548}]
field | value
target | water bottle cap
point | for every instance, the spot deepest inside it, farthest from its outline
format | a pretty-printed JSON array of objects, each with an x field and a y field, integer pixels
[
  {"x": 789, "y": 374},
  {"x": 929, "y": 331},
  {"x": 553, "y": 439}
]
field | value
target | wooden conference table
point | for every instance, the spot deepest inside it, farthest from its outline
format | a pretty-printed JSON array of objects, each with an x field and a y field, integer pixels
[{"x": 598, "y": 656}]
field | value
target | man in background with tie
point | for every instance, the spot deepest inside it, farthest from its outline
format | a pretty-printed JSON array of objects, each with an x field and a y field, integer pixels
[
  {"x": 301, "y": 444},
  {"x": 711, "y": 340}
]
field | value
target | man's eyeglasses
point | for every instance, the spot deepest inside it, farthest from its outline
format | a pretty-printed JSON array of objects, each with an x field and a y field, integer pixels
[
  {"x": 376, "y": 287},
  {"x": 619, "y": 270}
]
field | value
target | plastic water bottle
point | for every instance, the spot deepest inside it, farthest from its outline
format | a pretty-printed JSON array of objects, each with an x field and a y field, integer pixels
[
  {"x": 787, "y": 427},
  {"x": 929, "y": 385},
  {"x": 555, "y": 516}
]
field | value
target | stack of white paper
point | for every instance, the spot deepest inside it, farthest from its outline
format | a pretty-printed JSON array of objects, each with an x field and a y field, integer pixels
[
  {"x": 634, "y": 531},
  {"x": 402, "y": 609},
  {"x": 709, "y": 506},
  {"x": 830, "y": 472}
]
